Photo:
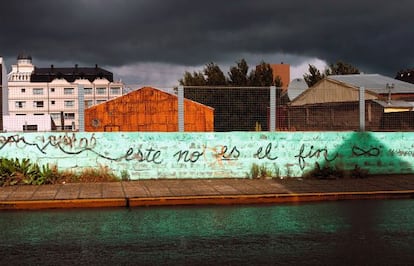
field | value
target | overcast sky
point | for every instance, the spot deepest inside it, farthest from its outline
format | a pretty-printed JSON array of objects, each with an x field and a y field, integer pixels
[{"x": 152, "y": 42}]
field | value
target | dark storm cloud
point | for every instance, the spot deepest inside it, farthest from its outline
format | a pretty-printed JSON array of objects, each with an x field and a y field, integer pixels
[{"x": 376, "y": 36}]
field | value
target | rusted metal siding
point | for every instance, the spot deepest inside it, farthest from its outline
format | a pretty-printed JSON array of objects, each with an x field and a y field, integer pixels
[{"x": 148, "y": 109}]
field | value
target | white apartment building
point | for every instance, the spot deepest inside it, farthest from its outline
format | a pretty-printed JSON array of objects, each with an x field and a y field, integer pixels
[{"x": 57, "y": 91}]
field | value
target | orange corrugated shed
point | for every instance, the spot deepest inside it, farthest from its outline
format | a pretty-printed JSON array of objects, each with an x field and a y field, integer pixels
[{"x": 148, "y": 109}]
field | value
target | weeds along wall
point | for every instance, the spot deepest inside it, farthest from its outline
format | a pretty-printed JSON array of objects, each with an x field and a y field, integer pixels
[{"x": 214, "y": 155}]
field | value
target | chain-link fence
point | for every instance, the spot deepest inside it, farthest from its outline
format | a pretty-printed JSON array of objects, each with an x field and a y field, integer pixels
[
  {"x": 275, "y": 109},
  {"x": 235, "y": 109},
  {"x": 213, "y": 108}
]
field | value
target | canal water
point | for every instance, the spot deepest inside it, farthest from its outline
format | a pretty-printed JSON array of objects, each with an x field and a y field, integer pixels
[{"x": 371, "y": 232}]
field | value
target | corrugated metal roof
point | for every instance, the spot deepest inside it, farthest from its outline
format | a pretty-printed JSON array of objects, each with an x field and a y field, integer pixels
[{"x": 375, "y": 83}]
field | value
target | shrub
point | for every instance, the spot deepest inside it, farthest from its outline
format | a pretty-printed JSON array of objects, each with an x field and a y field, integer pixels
[
  {"x": 325, "y": 172},
  {"x": 23, "y": 172},
  {"x": 103, "y": 174},
  {"x": 125, "y": 175},
  {"x": 358, "y": 172},
  {"x": 264, "y": 172},
  {"x": 15, "y": 171},
  {"x": 260, "y": 171},
  {"x": 254, "y": 171}
]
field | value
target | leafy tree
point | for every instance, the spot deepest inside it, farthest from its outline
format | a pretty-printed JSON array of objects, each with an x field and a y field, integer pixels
[
  {"x": 338, "y": 68},
  {"x": 341, "y": 68},
  {"x": 406, "y": 75},
  {"x": 314, "y": 76},
  {"x": 278, "y": 82},
  {"x": 230, "y": 104},
  {"x": 195, "y": 79},
  {"x": 211, "y": 75},
  {"x": 238, "y": 74},
  {"x": 214, "y": 75},
  {"x": 262, "y": 75},
  {"x": 256, "y": 100}
]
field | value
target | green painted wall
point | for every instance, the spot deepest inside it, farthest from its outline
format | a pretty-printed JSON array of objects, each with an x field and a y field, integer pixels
[{"x": 148, "y": 155}]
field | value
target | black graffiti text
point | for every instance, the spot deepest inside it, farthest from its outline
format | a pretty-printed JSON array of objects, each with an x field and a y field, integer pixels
[
  {"x": 408, "y": 153},
  {"x": 149, "y": 155},
  {"x": 358, "y": 151},
  {"x": 265, "y": 153},
  {"x": 63, "y": 142},
  {"x": 312, "y": 152},
  {"x": 223, "y": 153},
  {"x": 188, "y": 156}
]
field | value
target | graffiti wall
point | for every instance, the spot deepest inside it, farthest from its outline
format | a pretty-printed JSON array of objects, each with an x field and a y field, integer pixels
[{"x": 214, "y": 155}]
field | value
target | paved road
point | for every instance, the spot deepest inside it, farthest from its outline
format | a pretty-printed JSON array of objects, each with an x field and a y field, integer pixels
[{"x": 202, "y": 191}]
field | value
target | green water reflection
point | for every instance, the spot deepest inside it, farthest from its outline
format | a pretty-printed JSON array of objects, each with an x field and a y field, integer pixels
[
  {"x": 323, "y": 233},
  {"x": 126, "y": 225}
]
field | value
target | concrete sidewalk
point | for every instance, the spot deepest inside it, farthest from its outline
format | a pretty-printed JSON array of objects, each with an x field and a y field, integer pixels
[{"x": 202, "y": 191}]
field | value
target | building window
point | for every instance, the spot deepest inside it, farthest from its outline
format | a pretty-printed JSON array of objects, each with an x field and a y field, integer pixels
[
  {"x": 52, "y": 89},
  {"x": 68, "y": 91},
  {"x": 52, "y": 102},
  {"x": 100, "y": 101},
  {"x": 38, "y": 114},
  {"x": 87, "y": 90},
  {"x": 55, "y": 116},
  {"x": 38, "y": 104},
  {"x": 37, "y": 91},
  {"x": 115, "y": 90},
  {"x": 69, "y": 115},
  {"x": 69, "y": 103},
  {"x": 20, "y": 114},
  {"x": 23, "y": 90},
  {"x": 20, "y": 104},
  {"x": 67, "y": 128},
  {"x": 100, "y": 91},
  {"x": 88, "y": 103},
  {"x": 29, "y": 127}
]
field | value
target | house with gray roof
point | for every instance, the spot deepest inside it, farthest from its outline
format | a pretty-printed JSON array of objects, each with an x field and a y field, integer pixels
[
  {"x": 333, "y": 104},
  {"x": 382, "y": 85}
]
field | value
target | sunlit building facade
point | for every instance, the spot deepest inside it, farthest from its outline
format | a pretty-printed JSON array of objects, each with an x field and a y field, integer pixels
[{"x": 58, "y": 91}]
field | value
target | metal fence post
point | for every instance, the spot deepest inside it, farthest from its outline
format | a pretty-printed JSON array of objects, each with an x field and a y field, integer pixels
[
  {"x": 272, "y": 116},
  {"x": 181, "y": 108},
  {"x": 361, "y": 109},
  {"x": 81, "y": 108}
]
